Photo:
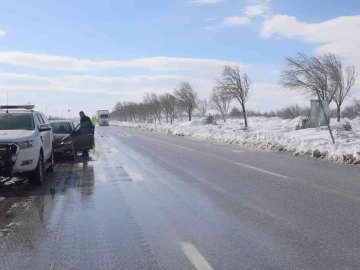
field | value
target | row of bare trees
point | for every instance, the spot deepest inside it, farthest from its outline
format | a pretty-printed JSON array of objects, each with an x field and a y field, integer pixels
[
  {"x": 351, "y": 111},
  {"x": 323, "y": 77},
  {"x": 184, "y": 100}
]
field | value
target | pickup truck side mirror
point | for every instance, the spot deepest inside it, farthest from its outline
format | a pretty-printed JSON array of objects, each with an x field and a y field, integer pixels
[{"x": 44, "y": 127}]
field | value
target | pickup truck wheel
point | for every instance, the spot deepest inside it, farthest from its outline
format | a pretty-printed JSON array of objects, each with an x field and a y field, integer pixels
[
  {"x": 37, "y": 176},
  {"x": 52, "y": 162}
]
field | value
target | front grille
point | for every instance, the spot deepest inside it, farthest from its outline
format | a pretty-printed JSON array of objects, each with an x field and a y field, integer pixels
[{"x": 13, "y": 148}]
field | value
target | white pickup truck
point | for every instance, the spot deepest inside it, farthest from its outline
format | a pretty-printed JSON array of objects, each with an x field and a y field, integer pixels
[{"x": 26, "y": 143}]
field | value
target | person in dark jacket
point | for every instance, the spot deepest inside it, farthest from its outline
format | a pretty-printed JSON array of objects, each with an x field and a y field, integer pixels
[{"x": 86, "y": 120}]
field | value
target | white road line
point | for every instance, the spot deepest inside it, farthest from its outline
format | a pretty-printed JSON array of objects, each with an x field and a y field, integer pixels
[
  {"x": 261, "y": 170},
  {"x": 224, "y": 159},
  {"x": 135, "y": 176},
  {"x": 58, "y": 234},
  {"x": 237, "y": 151},
  {"x": 182, "y": 147},
  {"x": 114, "y": 150},
  {"x": 101, "y": 177},
  {"x": 195, "y": 257}
]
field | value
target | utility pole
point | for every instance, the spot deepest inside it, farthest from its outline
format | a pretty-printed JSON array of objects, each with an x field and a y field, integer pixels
[{"x": 46, "y": 111}]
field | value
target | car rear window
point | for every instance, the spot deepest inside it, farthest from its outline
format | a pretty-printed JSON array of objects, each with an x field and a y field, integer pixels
[{"x": 61, "y": 128}]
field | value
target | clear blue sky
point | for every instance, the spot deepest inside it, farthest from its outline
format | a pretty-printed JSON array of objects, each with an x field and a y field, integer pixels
[{"x": 43, "y": 45}]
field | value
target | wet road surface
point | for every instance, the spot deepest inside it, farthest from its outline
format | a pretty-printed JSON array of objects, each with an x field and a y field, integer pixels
[{"x": 151, "y": 201}]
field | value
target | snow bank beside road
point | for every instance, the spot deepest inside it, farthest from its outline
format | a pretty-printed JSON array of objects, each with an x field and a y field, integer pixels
[{"x": 271, "y": 134}]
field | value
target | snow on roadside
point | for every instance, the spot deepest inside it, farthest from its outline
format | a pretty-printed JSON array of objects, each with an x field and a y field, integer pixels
[{"x": 271, "y": 134}]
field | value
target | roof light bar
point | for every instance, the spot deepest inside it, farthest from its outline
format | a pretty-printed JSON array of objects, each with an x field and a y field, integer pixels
[{"x": 9, "y": 107}]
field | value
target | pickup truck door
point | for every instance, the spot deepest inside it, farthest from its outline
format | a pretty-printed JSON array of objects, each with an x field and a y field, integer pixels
[
  {"x": 83, "y": 137},
  {"x": 50, "y": 136},
  {"x": 46, "y": 138}
]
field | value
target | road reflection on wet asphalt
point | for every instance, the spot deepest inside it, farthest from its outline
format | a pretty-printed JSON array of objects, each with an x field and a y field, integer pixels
[
  {"x": 76, "y": 219},
  {"x": 139, "y": 204}
]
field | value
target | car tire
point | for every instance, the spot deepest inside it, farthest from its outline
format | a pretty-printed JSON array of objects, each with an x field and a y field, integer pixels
[
  {"x": 37, "y": 176},
  {"x": 52, "y": 162}
]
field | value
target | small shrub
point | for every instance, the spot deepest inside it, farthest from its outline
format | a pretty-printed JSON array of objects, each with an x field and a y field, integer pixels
[
  {"x": 303, "y": 123},
  {"x": 293, "y": 111},
  {"x": 347, "y": 126},
  {"x": 209, "y": 119}
]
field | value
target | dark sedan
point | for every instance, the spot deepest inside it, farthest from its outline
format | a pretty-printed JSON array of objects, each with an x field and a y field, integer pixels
[
  {"x": 68, "y": 139},
  {"x": 64, "y": 144}
]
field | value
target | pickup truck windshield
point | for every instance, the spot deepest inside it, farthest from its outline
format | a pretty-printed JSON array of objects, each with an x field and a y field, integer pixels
[{"x": 13, "y": 121}]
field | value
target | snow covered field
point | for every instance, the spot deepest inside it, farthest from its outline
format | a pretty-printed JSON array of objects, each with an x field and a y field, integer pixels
[{"x": 271, "y": 134}]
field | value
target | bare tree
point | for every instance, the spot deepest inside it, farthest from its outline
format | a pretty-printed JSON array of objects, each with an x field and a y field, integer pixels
[
  {"x": 234, "y": 85},
  {"x": 186, "y": 97},
  {"x": 341, "y": 80},
  {"x": 163, "y": 103},
  {"x": 144, "y": 111},
  {"x": 309, "y": 74},
  {"x": 202, "y": 106},
  {"x": 179, "y": 111},
  {"x": 119, "y": 111},
  {"x": 168, "y": 103},
  {"x": 220, "y": 102},
  {"x": 352, "y": 110},
  {"x": 153, "y": 101},
  {"x": 131, "y": 109}
]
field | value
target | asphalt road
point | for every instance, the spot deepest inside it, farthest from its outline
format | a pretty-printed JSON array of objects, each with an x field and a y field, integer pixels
[{"x": 151, "y": 201}]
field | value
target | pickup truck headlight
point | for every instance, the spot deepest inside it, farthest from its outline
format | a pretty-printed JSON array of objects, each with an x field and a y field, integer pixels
[{"x": 26, "y": 144}]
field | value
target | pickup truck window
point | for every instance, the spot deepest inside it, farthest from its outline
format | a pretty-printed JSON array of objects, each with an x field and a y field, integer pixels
[
  {"x": 13, "y": 121},
  {"x": 41, "y": 121},
  {"x": 43, "y": 117}
]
